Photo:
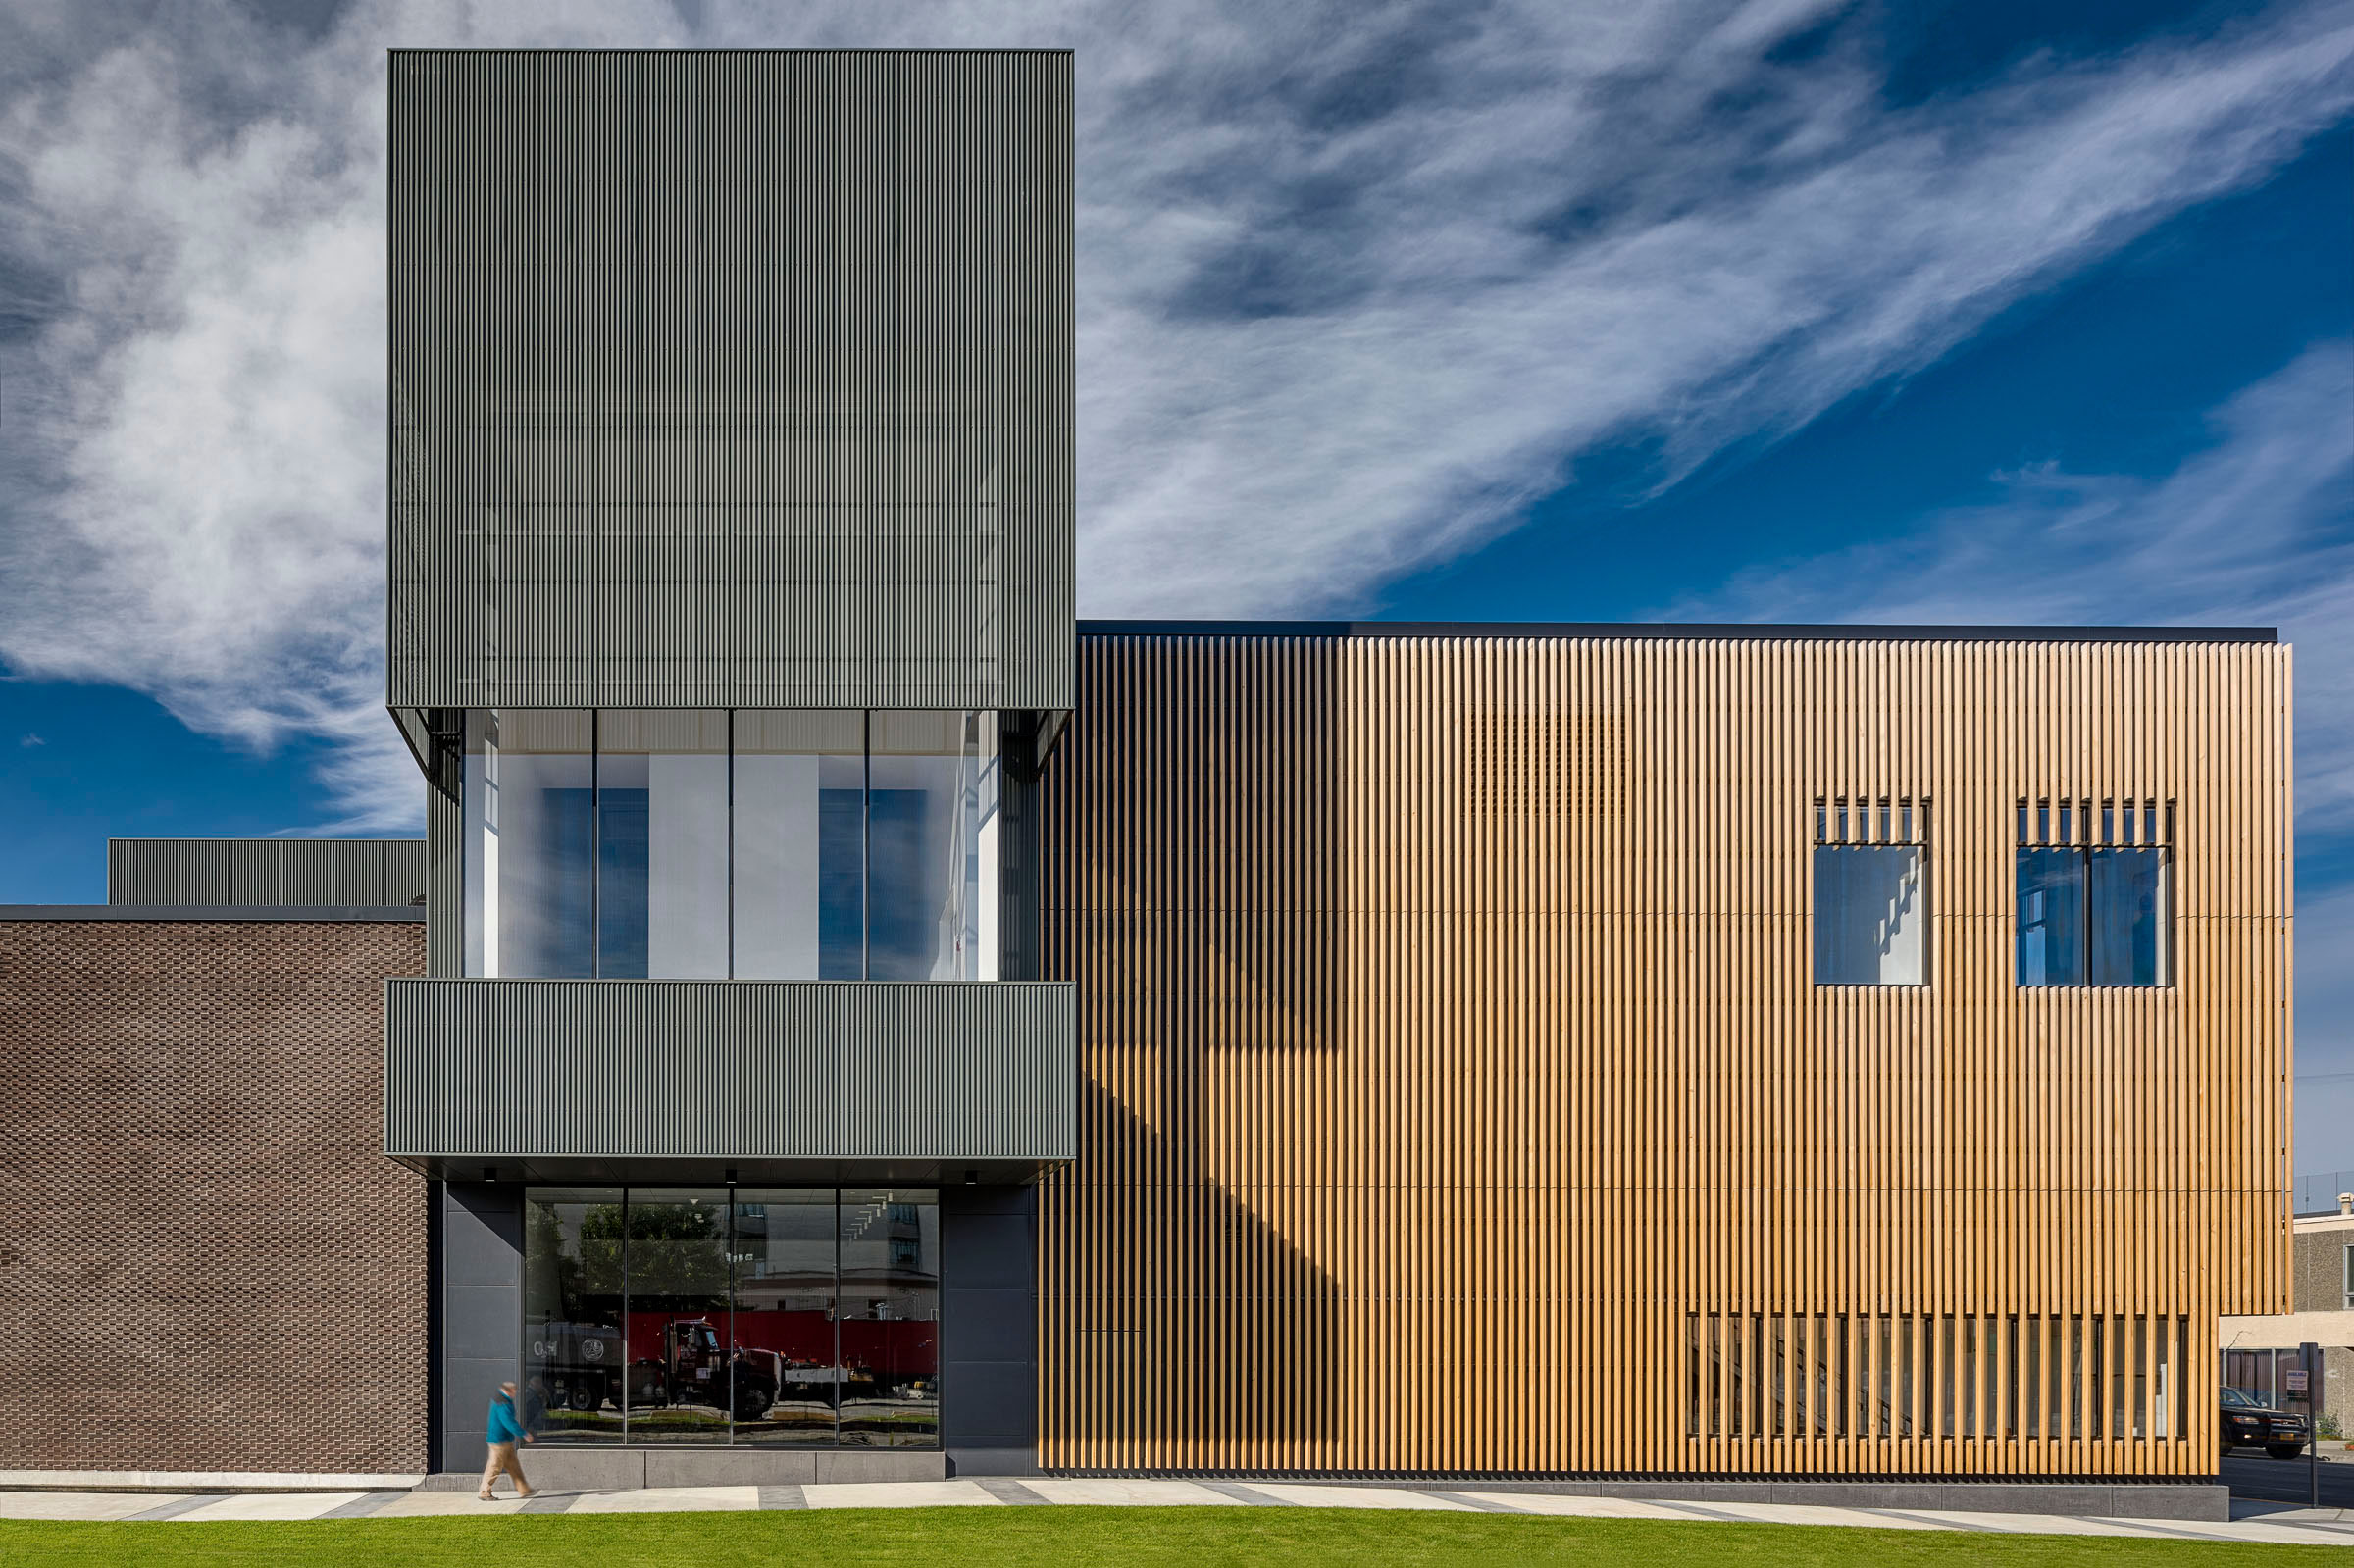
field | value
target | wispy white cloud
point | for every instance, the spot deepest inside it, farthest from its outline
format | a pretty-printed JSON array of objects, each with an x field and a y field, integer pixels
[
  {"x": 1356, "y": 284},
  {"x": 31, "y": 740},
  {"x": 2255, "y": 530}
]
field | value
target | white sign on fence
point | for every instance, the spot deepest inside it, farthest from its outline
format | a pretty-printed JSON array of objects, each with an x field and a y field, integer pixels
[{"x": 2292, "y": 1379}]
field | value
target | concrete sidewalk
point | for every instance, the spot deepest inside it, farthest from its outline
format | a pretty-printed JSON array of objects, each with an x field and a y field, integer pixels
[{"x": 2258, "y": 1523}]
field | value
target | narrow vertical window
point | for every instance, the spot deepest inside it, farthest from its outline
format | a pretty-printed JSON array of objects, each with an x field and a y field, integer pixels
[
  {"x": 530, "y": 824},
  {"x": 1872, "y": 896}
]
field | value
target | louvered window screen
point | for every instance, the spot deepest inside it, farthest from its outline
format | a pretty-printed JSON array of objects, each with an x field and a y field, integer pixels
[
  {"x": 1871, "y": 890},
  {"x": 2094, "y": 901},
  {"x": 1934, "y": 1375}
]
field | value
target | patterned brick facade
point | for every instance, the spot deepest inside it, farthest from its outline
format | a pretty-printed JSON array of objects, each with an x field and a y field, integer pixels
[{"x": 207, "y": 1262}]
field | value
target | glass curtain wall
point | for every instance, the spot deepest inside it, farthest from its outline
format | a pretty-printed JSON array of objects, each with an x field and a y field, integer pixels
[
  {"x": 931, "y": 803},
  {"x": 575, "y": 1356},
  {"x": 766, "y": 1317},
  {"x": 800, "y": 878},
  {"x": 531, "y": 832},
  {"x": 890, "y": 1319},
  {"x": 626, "y": 844},
  {"x": 661, "y": 844}
]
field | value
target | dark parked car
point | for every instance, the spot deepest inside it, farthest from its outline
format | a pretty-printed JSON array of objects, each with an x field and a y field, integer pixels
[{"x": 2250, "y": 1423}]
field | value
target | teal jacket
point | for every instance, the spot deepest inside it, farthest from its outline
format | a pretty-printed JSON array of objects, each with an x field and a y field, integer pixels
[{"x": 504, "y": 1427}]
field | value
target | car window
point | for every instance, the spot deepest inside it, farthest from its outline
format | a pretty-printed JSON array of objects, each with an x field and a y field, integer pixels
[{"x": 2242, "y": 1397}]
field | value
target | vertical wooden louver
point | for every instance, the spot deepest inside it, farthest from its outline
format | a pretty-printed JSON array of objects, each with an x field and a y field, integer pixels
[{"x": 1449, "y": 1059}]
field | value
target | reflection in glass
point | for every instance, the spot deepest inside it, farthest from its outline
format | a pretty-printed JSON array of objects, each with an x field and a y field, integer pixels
[
  {"x": 800, "y": 845},
  {"x": 1870, "y": 915},
  {"x": 889, "y": 1318},
  {"x": 662, "y": 845},
  {"x": 529, "y": 830},
  {"x": 572, "y": 1347},
  {"x": 766, "y": 844},
  {"x": 932, "y": 800},
  {"x": 2051, "y": 917},
  {"x": 2127, "y": 895},
  {"x": 783, "y": 1270},
  {"x": 681, "y": 1384}
]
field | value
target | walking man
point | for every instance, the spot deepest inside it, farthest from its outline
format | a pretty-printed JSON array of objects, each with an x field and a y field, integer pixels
[{"x": 506, "y": 1430}]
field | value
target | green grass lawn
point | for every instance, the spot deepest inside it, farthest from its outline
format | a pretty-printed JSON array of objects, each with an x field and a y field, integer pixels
[{"x": 966, "y": 1537}]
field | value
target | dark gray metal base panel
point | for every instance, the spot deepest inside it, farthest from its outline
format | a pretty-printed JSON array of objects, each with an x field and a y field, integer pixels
[
  {"x": 989, "y": 1328},
  {"x": 2081, "y": 1498},
  {"x": 480, "y": 1310},
  {"x": 560, "y": 1469}
]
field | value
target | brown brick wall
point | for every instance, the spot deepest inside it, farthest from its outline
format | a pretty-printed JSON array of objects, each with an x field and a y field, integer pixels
[{"x": 206, "y": 1262}]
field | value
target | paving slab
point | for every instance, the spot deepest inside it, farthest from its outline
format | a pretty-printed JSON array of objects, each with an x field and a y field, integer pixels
[
  {"x": 1482, "y": 1504},
  {"x": 436, "y": 1504},
  {"x": 1799, "y": 1513},
  {"x": 1110, "y": 1493},
  {"x": 85, "y": 1505},
  {"x": 670, "y": 1500},
  {"x": 257, "y": 1506},
  {"x": 1904, "y": 1519},
  {"x": 1579, "y": 1507},
  {"x": 1311, "y": 1496},
  {"x": 370, "y": 1502},
  {"x": 2267, "y": 1531},
  {"x": 897, "y": 1495},
  {"x": 2017, "y": 1524}
]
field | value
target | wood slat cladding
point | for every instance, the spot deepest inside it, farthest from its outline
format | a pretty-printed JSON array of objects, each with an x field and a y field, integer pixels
[{"x": 1448, "y": 1043}]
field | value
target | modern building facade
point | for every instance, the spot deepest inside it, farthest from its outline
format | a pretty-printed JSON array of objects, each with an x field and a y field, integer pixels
[
  {"x": 854, "y": 1020},
  {"x": 2259, "y": 1352}
]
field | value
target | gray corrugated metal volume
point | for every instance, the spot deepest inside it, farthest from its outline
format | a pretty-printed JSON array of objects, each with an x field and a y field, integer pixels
[
  {"x": 750, "y": 1069},
  {"x": 260, "y": 873},
  {"x": 731, "y": 378},
  {"x": 445, "y": 883}
]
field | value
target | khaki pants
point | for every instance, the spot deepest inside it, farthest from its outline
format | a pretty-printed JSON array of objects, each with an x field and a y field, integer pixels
[{"x": 502, "y": 1457}]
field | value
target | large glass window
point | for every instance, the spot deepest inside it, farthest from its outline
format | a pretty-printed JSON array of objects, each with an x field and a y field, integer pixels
[
  {"x": 785, "y": 1315},
  {"x": 890, "y": 1319},
  {"x": 932, "y": 804},
  {"x": 675, "y": 1269},
  {"x": 662, "y": 845},
  {"x": 531, "y": 832},
  {"x": 575, "y": 1354},
  {"x": 760, "y": 845},
  {"x": 1872, "y": 896},
  {"x": 2092, "y": 892},
  {"x": 800, "y": 849},
  {"x": 758, "y": 1316}
]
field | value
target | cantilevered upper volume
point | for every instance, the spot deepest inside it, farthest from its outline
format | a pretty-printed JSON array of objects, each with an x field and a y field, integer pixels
[{"x": 730, "y": 379}]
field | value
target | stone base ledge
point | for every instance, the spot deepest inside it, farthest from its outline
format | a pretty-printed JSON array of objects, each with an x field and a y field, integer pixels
[
  {"x": 203, "y": 1480},
  {"x": 585, "y": 1469}
]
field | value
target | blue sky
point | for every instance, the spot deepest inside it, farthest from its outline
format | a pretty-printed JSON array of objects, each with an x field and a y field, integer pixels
[{"x": 1782, "y": 310}]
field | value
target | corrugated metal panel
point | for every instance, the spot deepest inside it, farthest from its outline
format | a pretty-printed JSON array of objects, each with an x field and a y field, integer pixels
[
  {"x": 1450, "y": 1049},
  {"x": 731, "y": 378},
  {"x": 728, "y": 1069},
  {"x": 260, "y": 873},
  {"x": 445, "y": 889}
]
